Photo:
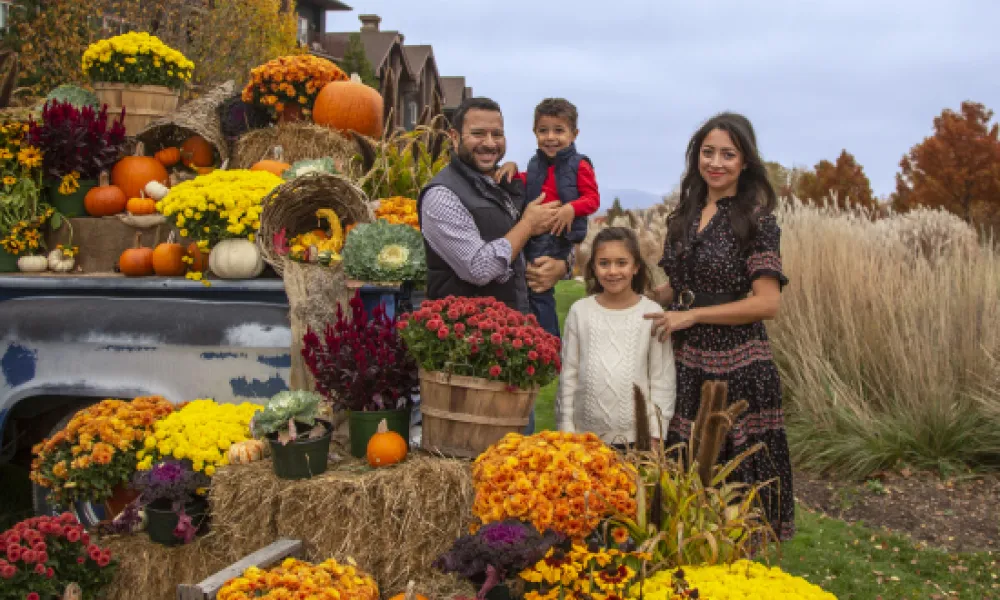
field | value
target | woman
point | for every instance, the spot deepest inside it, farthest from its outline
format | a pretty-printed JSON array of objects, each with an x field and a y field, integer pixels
[{"x": 722, "y": 244}]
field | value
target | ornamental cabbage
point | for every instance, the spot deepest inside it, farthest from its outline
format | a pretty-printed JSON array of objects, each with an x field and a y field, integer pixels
[{"x": 382, "y": 252}]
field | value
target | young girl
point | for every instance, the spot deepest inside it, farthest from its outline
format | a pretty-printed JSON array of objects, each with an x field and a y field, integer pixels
[
  {"x": 723, "y": 260},
  {"x": 607, "y": 347}
]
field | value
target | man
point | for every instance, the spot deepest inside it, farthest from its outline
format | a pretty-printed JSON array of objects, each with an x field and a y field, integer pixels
[{"x": 474, "y": 228}]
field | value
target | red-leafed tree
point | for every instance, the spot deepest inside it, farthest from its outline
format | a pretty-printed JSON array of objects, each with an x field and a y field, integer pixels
[
  {"x": 842, "y": 183},
  {"x": 957, "y": 168}
]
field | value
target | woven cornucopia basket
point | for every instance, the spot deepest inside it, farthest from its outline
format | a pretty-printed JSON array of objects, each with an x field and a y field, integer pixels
[{"x": 200, "y": 116}]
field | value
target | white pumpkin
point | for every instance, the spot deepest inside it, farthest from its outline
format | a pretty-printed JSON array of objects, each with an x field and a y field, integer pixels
[
  {"x": 235, "y": 259},
  {"x": 156, "y": 190},
  {"x": 59, "y": 262},
  {"x": 32, "y": 264}
]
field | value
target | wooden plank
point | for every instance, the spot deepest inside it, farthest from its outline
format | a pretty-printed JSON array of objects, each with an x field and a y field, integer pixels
[{"x": 266, "y": 557}]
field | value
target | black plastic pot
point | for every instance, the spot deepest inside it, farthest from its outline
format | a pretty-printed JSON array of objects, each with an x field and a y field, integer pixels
[
  {"x": 302, "y": 458},
  {"x": 161, "y": 520}
]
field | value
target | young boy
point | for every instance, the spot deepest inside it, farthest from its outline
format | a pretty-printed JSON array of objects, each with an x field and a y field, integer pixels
[{"x": 566, "y": 176}]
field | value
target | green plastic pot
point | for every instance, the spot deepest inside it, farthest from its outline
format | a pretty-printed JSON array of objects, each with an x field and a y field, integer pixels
[
  {"x": 69, "y": 205},
  {"x": 362, "y": 425},
  {"x": 8, "y": 261},
  {"x": 301, "y": 459},
  {"x": 161, "y": 520}
]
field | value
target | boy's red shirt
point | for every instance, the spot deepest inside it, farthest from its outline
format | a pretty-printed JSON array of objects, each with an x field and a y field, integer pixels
[{"x": 586, "y": 182}]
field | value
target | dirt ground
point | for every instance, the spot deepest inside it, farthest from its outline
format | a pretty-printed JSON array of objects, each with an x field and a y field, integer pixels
[{"x": 961, "y": 515}]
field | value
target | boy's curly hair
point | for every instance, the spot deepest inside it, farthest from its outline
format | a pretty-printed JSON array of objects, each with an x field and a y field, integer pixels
[{"x": 557, "y": 107}]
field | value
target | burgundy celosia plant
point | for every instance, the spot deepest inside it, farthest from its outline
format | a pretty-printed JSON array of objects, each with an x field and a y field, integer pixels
[{"x": 77, "y": 139}]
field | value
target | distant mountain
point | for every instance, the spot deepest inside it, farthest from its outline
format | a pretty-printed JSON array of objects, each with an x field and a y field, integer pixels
[{"x": 629, "y": 199}]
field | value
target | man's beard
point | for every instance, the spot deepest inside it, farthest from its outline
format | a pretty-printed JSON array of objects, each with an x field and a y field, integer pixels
[{"x": 468, "y": 157}]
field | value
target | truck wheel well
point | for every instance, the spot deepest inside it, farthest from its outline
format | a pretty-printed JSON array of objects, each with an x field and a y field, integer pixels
[{"x": 32, "y": 419}]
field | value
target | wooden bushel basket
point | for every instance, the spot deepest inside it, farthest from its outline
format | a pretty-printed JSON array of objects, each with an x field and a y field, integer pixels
[
  {"x": 462, "y": 416},
  {"x": 143, "y": 103}
]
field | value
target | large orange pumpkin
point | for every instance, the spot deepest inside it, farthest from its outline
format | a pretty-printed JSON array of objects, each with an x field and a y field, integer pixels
[
  {"x": 386, "y": 447},
  {"x": 168, "y": 157},
  {"x": 132, "y": 173},
  {"x": 275, "y": 165},
  {"x": 198, "y": 152},
  {"x": 199, "y": 259},
  {"x": 137, "y": 261},
  {"x": 349, "y": 105},
  {"x": 104, "y": 199},
  {"x": 168, "y": 258}
]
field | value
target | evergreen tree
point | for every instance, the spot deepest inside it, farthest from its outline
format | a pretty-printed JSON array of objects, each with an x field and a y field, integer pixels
[{"x": 356, "y": 61}]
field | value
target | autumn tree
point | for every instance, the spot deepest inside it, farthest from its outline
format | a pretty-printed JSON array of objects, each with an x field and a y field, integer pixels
[
  {"x": 356, "y": 61},
  {"x": 50, "y": 39},
  {"x": 957, "y": 168},
  {"x": 783, "y": 179},
  {"x": 842, "y": 184}
]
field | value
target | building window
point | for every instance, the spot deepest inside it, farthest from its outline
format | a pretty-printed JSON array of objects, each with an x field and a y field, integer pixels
[
  {"x": 4, "y": 15},
  {"x": 411, "y": 114},
  {"x": 303, "y": 31}
]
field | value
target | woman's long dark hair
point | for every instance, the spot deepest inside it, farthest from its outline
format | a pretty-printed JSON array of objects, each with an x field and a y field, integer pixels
[{"x": 754, "y": 194}]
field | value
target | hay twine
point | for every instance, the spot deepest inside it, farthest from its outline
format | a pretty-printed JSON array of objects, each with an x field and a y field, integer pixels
[
  {"x": 298, "y": 141},
  {"x": 200, "y": 116},
  {"x": 292, "y": 206}
]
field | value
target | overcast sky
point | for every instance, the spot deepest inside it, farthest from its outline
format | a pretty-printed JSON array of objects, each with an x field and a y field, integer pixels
[{"x": 813, "y": 77}]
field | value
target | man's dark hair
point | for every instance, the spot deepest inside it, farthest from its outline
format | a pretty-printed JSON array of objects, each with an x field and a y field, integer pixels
[
  {"x": 557, "y": 107},
  {"x": 458, "y": 119}
]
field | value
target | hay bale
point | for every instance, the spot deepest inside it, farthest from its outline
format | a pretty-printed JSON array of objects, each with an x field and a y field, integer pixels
[
  {"x": 150, "y": 571},
  {"x": 298, "y": 141},
  {"x": 393, "y": 522},
  {"x": 200, "y": 116}
]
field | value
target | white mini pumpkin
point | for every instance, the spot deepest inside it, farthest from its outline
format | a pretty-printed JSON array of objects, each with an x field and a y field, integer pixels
[
  {"x": 32, "y": 264},
  {"x": 59, "y": 262},
  {"x": 235, "y": 259},
  {"x": 156, "y": 190}
]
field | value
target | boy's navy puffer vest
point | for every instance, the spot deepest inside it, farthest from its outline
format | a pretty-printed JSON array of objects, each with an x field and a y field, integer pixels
[{"x": 567, "y": 165}]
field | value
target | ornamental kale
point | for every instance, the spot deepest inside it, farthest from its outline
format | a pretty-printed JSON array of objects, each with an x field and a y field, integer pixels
[
  {"x": 361, "y": 363},
  {"x": 383, "y": 252},
  {"x": 83, "y": 140},
  {"x": 496, "y": 551},
  {"x": 286, "y": 409},
  {"x": 171, "y": 480}
]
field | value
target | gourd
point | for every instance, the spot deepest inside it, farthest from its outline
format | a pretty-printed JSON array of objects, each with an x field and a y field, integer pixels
[
  {"x": 141, "y": 205},
  {"x": 104, "y": 199},
  {"x": 247, "y": 451},
  {"x": 349, "y": 105},
  {"x": 137, "y": 261},
  {"x": 386, "y": 447},
  {"x": 235, "y": 259},
  {"x": 59, "y": 262},
  {"x": 156, "y": 190},
  {"x": 32, "y": 264},
  {"x": 199, "y": 259},
  {"x": 168, "y": 258},
  {"x": 275, "y": 165},
  {"x": 197, "y": 152},
  {"x": 132, "y": 173},
  {"x": 168, "y": 157}
]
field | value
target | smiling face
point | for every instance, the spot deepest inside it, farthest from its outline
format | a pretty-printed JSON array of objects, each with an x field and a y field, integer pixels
[
  {"x": 553, "y": 134},
  {"x": 720, "y": 163},
  {"x": 614, "y": 267},
  {"x": 481, "y": 143}
]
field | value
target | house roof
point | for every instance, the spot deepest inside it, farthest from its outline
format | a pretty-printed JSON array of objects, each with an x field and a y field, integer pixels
[
  {"x": 378, "y": 45},
  {"x": 454, "y": 91},
  {"x": 328, "y": 4},
  {"x": 417, "y": 57}
]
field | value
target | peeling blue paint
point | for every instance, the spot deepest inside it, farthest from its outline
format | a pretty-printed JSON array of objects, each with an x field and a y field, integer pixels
[
  {"x": 278, "y": 361},
  {"x": 222, "y": 355},
  {"x": 127, "y": 348},
  {"x": 18, "y": 365},
  {"x": 257, "y": 388}
]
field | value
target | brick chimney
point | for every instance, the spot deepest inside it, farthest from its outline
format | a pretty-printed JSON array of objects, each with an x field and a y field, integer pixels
[{"x": 369, "y": 22}]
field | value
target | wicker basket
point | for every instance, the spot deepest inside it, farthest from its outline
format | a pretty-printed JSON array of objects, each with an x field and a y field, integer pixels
[
  {"x": 463, "y": 416},
  {"x": 143, "y": 103},
  {"x": 292, "y": 206},
  {"x": 200, "y": 116}
]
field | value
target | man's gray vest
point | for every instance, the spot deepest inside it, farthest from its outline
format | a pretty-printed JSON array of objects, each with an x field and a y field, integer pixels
[{"x": 485, "y": 203}]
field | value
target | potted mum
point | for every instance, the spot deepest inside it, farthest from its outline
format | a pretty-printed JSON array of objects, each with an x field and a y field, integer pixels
[
  {"x": 78, "y": 143},
  {"x": 362, "y": 366},
  {"x": 288, "y": 85},
  {"x": 175, "y": 511},
  {"x": 481, "y": 366},
  {"x": 299, "y": 439},
  {"x": 21, "y": 209}
]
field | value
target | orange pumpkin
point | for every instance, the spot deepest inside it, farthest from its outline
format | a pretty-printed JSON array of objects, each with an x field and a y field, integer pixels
[
  {"x": 104, "y": 199},
  {"x": 273, "y": 165},
  {"x": 132, "y": 173},
  {"x": 141, "y": 205},
  {"x": 168, "y": 157},
  {"x": 197, "y": 151},
  {"x": 201, "y": 170},
  {"x": 386, "y": 447},
  {"x": 349, "y": 106},
  {"x": 137, "y": 261},
  {"x": 199, "y": 259},
  {"x": 247, "y": 451},
  {"x": 168, "y": 258},
  {"x": 410, "y": 593}
]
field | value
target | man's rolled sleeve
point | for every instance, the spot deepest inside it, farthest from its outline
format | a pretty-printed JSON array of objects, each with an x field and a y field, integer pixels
[{"x": 451, "y": 232}]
